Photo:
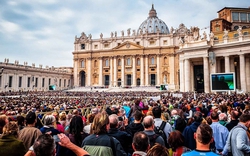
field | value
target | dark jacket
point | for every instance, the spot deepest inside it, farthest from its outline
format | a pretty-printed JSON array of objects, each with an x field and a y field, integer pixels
[
  {"x": 124, "y": 138},
  {"x": 231, "y": 124},
  {"x": 188, "y": 134},
  {"x": 104, "y": 141},
  {"x": 46, "y": 129},
  {"x": 133, "y": 128},
  {"x": 11, "y": 146}
]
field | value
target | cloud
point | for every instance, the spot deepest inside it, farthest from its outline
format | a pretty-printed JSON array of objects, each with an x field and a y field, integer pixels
[{"x": 43, "y": 31}]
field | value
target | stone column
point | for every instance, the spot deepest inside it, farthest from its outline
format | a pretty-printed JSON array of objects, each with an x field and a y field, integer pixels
[
  {"x": 89, "y": 72},
  {"x": 142, "y": 70},
  {"x": 172, "y": 71},
  {"x": 100, "y": 72},
  {"x": 14, "y": 82},
  {"x": 218, "y": 66},
  {"x": 213, "y": 68},
  {"x": 111, "y": 72},
  {"x": 187, "y": 75},
  {"x": 134, "y": 72},
  {"x": 123, "y": 72},
  {"x": 248, "y": 73},
  {"x": 242, "y": 72},
  {"x": 227, "y": 64},
  {"x": 146, "y": 70},
  {"x": 206, "y": 75},
  {"x": 182, "y": 77},
  {"x": 158, "y": 70},
  {"x": 76, "y": 74},
  {"x": 25, "y": 79},
  {"x": 115, "y": 71},
  {"x": 231, "y": 64}
]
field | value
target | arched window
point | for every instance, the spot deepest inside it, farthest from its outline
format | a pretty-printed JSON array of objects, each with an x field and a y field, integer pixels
[
  {"x": 138, "y": 62},
  {"x": 152, "y": 60},
  {"x": 82, "y": 64},
  {"x": 106, "y": 62},
  {"x": 128, "y": 61},
  {"x": 119, "y": 62},
  {"x": 95, "y": 63}
]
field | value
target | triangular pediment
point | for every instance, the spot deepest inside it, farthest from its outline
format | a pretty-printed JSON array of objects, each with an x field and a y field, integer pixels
[{"x": 127, "y": 45}]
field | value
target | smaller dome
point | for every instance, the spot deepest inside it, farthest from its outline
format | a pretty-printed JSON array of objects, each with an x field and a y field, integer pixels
[{"x": 153, "y": 24}]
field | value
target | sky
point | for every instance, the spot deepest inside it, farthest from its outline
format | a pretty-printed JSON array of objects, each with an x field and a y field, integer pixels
[{"x": 43, "y": 31}]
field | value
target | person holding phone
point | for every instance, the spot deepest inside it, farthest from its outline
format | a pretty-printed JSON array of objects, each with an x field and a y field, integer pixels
[{"x": 45, "y": 145}]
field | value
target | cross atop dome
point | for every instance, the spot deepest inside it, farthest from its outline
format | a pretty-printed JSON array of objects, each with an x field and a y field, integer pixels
[{"x": 152, "y": 12}]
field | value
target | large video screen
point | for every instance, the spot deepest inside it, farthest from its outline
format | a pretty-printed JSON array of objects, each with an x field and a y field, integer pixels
[
  {"x": 52, "y": 87},
  {"x": 222, "y": 82}
]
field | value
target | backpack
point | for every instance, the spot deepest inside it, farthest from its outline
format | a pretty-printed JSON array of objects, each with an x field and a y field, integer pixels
[
  {"x": 160, "y": 132},
  {"x": 152, "y": 139}
]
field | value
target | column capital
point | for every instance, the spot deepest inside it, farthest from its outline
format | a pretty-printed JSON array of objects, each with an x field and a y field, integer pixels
[
  {"x": 89, "y": 58},
  {"x": 100, "y": 58}
]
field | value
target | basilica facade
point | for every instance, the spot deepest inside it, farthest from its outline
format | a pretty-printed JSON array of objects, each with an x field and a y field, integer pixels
[
  {"x": 183, "y": 59},
  {"x": 143, "y": 57}
]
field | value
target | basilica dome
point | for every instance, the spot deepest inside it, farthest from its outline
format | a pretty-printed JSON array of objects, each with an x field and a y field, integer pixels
[{"x": 153, "y": 24}]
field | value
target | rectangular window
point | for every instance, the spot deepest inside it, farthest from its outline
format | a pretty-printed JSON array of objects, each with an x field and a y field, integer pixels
[
  {"x": 165, "y": 42},
  {"x": 243, "y": 17},
  {"x": 28, "y": 82},
  {"x": 118, "y": 44},
  {"x": 138, "y": 69},
  {"x": 106, "y": 45},
  {"x": 36, "y": 82},
  {"x": 20, "y": 81},
  {"x": 49, "y": 81},
  {"x": 152, "y": 42},
  {"x": 64, "y": 83},
  {"x": 235, "y": 16},
  {"x": 95, "y": 46},
  {"x": 83, "y": 64},
  {"x": 10, "y": 81},
  {"x": 248, "y": 17},
  {"x": 0, "y": 81},
  {"x": 128, "y": 62},
  {"x": 82, "y": 46},
  {"x": 43, "y": 81},
  {"x": 138, "y": 43},
  {"x": 106, "y": 70},
  {"x": 106, "y": 63},
  {"x": 60, "y": 81},
  {"x": 68, "y": 82}
]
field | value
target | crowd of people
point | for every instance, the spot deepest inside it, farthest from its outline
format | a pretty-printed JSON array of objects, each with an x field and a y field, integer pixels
[{"x": 124, "y": 123}]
